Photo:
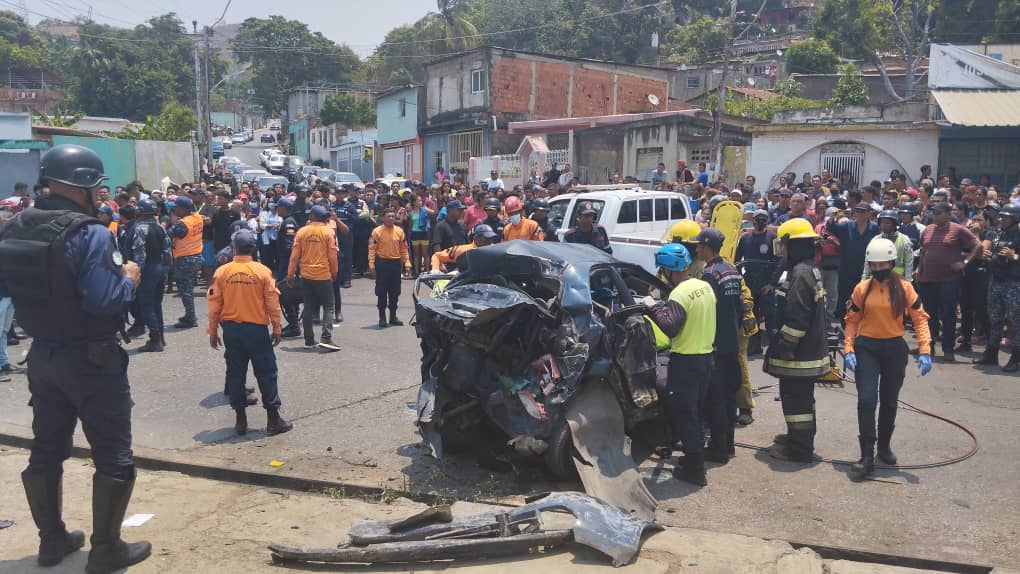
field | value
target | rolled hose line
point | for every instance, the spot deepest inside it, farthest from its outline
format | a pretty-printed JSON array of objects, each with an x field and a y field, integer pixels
[{"x": 973, "y": 439}]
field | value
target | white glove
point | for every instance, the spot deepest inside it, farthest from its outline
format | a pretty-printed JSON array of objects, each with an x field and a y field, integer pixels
[{"x": 649, "y": 301}]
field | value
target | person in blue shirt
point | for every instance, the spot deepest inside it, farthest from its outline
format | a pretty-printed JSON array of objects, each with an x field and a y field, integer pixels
[
  {"x": 702, "y": 174},
  {"x": 71, "y": 287},
  {"x": 659, "y": 175},
  {"x": 854, "y": 235}
]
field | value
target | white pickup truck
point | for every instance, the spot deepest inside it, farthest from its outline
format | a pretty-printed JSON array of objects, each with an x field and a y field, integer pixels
[{"x": 636, "y": 219}]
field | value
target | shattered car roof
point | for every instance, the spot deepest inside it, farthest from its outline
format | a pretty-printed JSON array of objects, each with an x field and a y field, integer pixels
[{"x": 571, "y": 263}]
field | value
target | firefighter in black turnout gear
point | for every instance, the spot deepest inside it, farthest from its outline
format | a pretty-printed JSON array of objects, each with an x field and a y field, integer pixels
[
  {"x": 70, "y": 288},
  {"x": 1004, "y": 288},
  {"x": 721, "y": 403},
  {"x": 799, "y": 353}
]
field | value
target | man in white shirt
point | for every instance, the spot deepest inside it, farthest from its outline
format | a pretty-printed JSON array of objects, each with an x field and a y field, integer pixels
[
  {"x": 566, "y": 175},
  {"x": 494, "y": 181}
]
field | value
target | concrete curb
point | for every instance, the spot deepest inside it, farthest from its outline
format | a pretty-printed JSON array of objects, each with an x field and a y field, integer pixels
[{"x": 266, "y": 480}]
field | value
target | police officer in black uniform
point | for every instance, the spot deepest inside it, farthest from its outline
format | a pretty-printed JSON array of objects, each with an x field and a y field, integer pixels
[
  {"x": 70, "y": 289},
  {"x": 290, "y": 300},
  {"x": 492, "y": 207},
  {"x": 151, "y": 250},
  {"x": 540, "y": 213},
  {"x": 726, "y": 376},
  {"x": 1004, "y": 287}
]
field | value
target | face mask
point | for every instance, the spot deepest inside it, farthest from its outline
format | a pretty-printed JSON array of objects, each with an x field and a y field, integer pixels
[
  {"x": 881, "y": 274},
  {"x": 515, "y": 218}
]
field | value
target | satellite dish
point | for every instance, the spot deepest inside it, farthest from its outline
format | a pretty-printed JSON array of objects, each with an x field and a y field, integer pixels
[
  {"x": 750, "y": 81},
  {"x": 653, "y": 99}
]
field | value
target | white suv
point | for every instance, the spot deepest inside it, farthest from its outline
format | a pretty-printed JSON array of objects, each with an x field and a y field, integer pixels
[{"x": 635, "y": 219}]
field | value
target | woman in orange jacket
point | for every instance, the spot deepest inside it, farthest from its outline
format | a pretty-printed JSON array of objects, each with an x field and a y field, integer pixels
[{"x": 876, "y": 351}]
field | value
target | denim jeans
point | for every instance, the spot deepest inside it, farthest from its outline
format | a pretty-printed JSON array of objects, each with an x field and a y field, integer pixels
[
  {"x": 6, "y": 319},
  {"x": 940, "y": 300}
]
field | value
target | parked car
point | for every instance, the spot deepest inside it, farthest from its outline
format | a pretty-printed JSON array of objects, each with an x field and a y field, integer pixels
[
  {"x": 238, "y": 138},
  {"x": 324, "y": 174},
  {"x": 275, "y": 163},
  {"x": 249, "y": 135},
  {"x": 308, "y": 170},
  {"x": 635, "y": 219},
  {"x": 268, "y": 181},
  {"x": 292, "y": 170},
  {"x": 523, "y": 328},
  {"x": 264, "y": 154},
  {"x": 227, "y": 144},
  {"x": 217, "y": 148},
  {"x": 267, "y": 138},
  {"x": 250, "y": 175},
  {"x": 345, "y": 177},
  {"x": 275, "y": 126}
]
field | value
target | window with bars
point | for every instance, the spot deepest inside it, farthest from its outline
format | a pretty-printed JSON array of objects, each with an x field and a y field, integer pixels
[
  {"x": 464, "y": 146},
  {"x": 693, "y": 82},
  {"x": 698, "y": 155}
]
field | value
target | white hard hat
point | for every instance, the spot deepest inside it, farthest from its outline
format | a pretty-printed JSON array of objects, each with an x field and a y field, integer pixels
[{"x": 880, "y": 249}]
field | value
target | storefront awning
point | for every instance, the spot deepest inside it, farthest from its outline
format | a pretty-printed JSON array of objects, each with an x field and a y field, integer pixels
[{"x": 978, "y": 107}]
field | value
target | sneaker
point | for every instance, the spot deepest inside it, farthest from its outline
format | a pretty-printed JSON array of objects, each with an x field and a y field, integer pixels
[
  {"x": 10, "y": 369},
  {"x": 309, "y": 344}
]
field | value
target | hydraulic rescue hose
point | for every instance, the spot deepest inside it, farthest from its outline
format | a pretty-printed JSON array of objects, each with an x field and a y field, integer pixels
[{"x": 973, "y": 439}]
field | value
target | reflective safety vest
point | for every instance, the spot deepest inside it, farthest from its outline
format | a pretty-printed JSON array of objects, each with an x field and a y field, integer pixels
[
  {"x": 190, "y": 244},
  {"x": 698, "y": 334},
  {"x": 662, "y": 342}
]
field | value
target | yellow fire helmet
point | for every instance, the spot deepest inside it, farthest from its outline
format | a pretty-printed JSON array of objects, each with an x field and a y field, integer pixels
[
  {"x": 796, "y": 228},
  {"x": 683, "y": 231}
]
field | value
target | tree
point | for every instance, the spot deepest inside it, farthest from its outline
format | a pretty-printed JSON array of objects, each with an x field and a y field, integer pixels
[
  {"x": 867, "y": 29},
  {"x": 347, "y": 110},
  {"x": 447, "y": 28},
  {"x": 174, "y": 123},
  {"x": 62, "y": 116},
  {"x": 701, "y": 41},
  {"x": 284, "y": 54},
  {"x": 811, "y": 56},
  {"x": 850, "y": 89}
]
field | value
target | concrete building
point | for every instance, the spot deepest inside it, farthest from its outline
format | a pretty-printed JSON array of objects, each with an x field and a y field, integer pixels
[
  {"x": 24, "y": 88},
  {"x": 471, "y": 97},
  {"x": 399, "y": 111},
  {"x": 355, "y": 153},
  {"x": 867, "y": 141}
]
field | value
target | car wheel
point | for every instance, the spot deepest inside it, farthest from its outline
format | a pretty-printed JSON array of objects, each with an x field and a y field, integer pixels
[{"x": 559, "y": 457}]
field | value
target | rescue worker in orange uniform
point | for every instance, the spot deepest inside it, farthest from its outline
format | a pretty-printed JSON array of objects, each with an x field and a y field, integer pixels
[
  {"x": 519, "y": 227},
  {"x": 481, "y": 236},
  {"x": 243, "y": 299},
  {"x": 187, "y": 250},
  {"x": 387, "y": 249},
  {"x": 315, "y": 253}
]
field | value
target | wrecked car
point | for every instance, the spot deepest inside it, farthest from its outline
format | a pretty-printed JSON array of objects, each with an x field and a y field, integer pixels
[{"x": 515, "y": 337}]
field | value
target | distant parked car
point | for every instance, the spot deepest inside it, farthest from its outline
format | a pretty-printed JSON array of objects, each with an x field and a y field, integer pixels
[
  {"x": 227, "y": 144},
  {"x": 275, "y": 164},
  {"x": 347, "y": 178},
  {"x": 274, "y": 126},
  {"x": 217, "y": 148},
  {"x": 267, "y": 138},
  {"x": 238, "y": 138}
]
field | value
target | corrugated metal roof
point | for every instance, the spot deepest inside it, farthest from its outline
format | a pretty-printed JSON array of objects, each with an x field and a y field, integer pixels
[{"x": 979, "y": 107}]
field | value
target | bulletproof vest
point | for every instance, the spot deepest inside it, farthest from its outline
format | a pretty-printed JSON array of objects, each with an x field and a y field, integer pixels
[
  {"x": 46, "y": 301},
  {"x": 157, "y": 243},
  {"x": 1001, "y": 267}
]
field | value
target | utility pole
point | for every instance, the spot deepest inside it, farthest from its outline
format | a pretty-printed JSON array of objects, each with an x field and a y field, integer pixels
[
  {"x": 721, "y": 104},
  {"x": 208, "y": 103},
  {"x": 198, "y": 105}
]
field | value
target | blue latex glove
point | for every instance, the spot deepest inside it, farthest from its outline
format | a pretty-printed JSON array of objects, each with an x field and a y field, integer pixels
[
  {"x": 924, "y": 362},
  {"x": 850, "y": 360}
]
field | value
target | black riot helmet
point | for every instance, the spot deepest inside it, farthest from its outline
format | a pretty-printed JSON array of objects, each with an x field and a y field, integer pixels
[
  {"x": 73, "y": 165},
  {"x": 146, "y": 207},
  {"x": 492, "y": 203}
]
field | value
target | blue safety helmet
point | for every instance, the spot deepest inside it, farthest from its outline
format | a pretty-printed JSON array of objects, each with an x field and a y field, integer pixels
[{"x": 673, "y": 257}]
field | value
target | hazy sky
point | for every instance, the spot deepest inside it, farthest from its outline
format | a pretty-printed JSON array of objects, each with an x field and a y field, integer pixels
[{"x": 360, "y": 24}]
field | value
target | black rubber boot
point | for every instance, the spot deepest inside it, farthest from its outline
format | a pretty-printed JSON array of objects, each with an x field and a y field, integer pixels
[
  {"x": 754, "y": 345},
  {"x": 186, "y": 324},
  {"x": 692, "y": 471},
  {"x": 136, "y": 330},
  {"x": 275, "y": 423},
  {"x": 864, "y": 467},
  {"x": 393, "y": 319},
  {"x": 241, "y": 422},
  {"x": 1014, "y": 362},
  {"x": 989, "y": 357},
  {"x": 290, "y": 332},
  {"x": 885, "y": 454},
  {"x": 153, "y": 345},
  {"x": 718, "y": 445},
  {"x": 382, "y": 319},
  {"x": 109, "y": 553},
  {"x": 731, "y": 446},
  {"x": 45, "y": 499}
]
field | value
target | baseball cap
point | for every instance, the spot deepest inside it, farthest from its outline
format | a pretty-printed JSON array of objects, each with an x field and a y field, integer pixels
[
  {"x": 761, "y": 213},
  {"x": 285, "y": 203},
  {"x": 484, "y": 230},
  {"x": 243, "y": 238},
  {"x": 184, "y": 202},
  {"x": 711, "y": 237},
  {"x": 105, "y": 209},
  {"x": 455, "y": 204},
  {"x": 911, "y": 192},
  {"x": 318, "y": 212},
  {"x": 943, "y": 207},
  {"x": 587, "y": 209}
]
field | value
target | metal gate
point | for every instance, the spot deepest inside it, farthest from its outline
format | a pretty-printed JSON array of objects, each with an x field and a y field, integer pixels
[{"x": 839, "y": 161}]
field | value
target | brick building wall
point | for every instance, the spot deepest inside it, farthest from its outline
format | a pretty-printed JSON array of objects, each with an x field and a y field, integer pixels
[{"x": 539, "y": 88}]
